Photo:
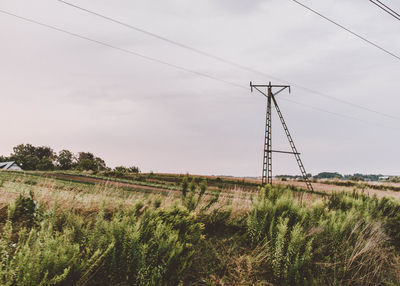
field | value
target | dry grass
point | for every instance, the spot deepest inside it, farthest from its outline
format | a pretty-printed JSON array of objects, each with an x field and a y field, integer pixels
[
  {"x": 90, "y": 196},
  {"x": 111, "y": 196},
  {"x": 328, "y": 188}
]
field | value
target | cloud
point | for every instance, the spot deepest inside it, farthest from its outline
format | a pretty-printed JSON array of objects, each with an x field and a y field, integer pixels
[{"x": 69, "y": 93}]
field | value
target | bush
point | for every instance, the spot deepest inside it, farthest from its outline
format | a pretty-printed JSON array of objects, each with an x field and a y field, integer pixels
[
  {"x": 24, "y": 211},
  {"x": 153, "y": 249},
  {"x": 344, "y": 241}
]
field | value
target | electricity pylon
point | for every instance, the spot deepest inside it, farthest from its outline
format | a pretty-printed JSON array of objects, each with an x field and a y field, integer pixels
[{"x": 267, "y": 158}]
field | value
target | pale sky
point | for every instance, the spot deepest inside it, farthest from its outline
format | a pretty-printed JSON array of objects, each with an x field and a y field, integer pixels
[{"x": 69, "y": 93}]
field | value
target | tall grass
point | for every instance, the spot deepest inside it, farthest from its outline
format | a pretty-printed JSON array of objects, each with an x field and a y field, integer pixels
[
  {"x": 199, "y": 238},
  {"x": 62, "y": 249},
  {"x": 344, "y": 240}
]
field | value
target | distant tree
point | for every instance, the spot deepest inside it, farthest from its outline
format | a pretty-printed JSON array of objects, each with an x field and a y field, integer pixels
[
  {"x": 46, "y": 164},
  {"x": 30, "y": 157},
  {"x": 87, "y": 165},
  {"x": 85, "y": 155},
  {"x": 29, "y": 162},
  {"x": 100, "y": 164},
  {"x": 87, "y": 161},
  {"x": 65, "y": 160},
  {"x": 121, "y": 169},
  {"x": 328, "y": 175},
  {"x": 134, "y": 169},
  {"x": 24, "y": 150},
  {"x": 23, "y": 155},
  {"x": 4, "y": 159},
  {"x": 44, "y": 152}
]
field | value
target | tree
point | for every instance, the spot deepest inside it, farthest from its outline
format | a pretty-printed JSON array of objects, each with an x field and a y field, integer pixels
[
  {"x": 65, "y": 160},
  {"x": 100, "y": 164},
  {"x": 30, "y": 162},
  {"x": 87, "y": 161},
  {"x": 21, "y": 154},
  {"x": 24, "y": 150},
  {"x": 87, "y": 165},
  {"x": 85, "y": 155},
  {"x": 121, "y": 169},
  {"x": 134, "y": 169},
  {"x": 328, "y": 175},
  {"x": 29, "y": 157},
  {"x": 4, "y": 159},
  {"x": 44, "y": 152},
  {"x": 46, "y": 164}
]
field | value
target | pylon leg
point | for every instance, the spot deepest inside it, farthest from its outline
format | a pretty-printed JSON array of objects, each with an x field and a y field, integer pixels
[{"x": 267, "y": 159}]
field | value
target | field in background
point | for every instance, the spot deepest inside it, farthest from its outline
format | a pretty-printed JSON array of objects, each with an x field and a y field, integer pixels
[
  {"x": 69, "y": 228},
  {"x": 90, "y": 190}
]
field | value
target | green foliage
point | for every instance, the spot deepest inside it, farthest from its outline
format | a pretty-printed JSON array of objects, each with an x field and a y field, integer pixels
[
  {"x": 153, "y": 249},
  {"x": 30, "y": 162},
  {"x": 86, "y": 164},
  {"x": 122, "y": 172},
  {"x": 65, "y": 160},
  {"x": 345, "y": 239},
  {"x": 193, "y": 194},
  {"x": 184, "y": 186},
  {"x": 328, "y": 175},
  {"x": 157, "y": 202},
  {"x": 338, "y": 242},
  {"x": 43, "y": 158},
  {"x": 87, "y": 161},
  {"x": 45, "y": 164},
  {"x": 30, "y": 157},
  {"x": 24, "y": 211}
]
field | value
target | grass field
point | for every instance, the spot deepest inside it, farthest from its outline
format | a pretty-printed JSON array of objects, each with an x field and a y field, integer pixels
[{"x": 67, "y": 228}]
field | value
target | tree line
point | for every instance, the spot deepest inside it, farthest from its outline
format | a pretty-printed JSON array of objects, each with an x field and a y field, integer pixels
[{"x": 44, "y": 158}]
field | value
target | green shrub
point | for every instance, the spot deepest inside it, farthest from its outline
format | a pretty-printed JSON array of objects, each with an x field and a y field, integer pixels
[
  {"x": 342, "y": 241},
  {"x": 63, "y": 249},
  {"x": 24, "y": 211}
]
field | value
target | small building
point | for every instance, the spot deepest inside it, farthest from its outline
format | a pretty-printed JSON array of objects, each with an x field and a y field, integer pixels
[{"x": 10, "y": 166}]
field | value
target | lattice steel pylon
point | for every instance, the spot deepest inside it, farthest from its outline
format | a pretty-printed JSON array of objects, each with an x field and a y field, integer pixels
[{"x": 267, "y": 156}]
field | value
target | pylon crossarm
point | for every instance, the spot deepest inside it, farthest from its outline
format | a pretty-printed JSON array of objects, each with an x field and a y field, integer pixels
[{"x": 282, "y": 89}]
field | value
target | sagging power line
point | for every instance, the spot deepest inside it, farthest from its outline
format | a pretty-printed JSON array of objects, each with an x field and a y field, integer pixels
[
  {"x": 349, "y": 31},
  {"x": 122, "y": 49},
  {"x": 226, "y": 61},
  {"x": 168, "y": 64},
  {"x": 385, "y": 8}
]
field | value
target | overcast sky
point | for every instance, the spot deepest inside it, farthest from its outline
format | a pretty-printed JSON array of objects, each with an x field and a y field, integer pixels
[{"x": 69, "y": 93}]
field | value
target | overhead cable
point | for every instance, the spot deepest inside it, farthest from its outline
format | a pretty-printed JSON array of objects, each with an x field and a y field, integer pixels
[
  {"x": 349, "y": 31},
  {"x": 161, "y": 61},
  {"x": 223, "y": 60},
  {"x": 387, "y": 9},
  {"x": 122, "y": 49}
]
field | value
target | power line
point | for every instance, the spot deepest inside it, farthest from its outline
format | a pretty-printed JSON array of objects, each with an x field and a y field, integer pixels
[
  {"x": 348, "y": 103},
  {"x": 336, "y": 114},
  {"x": 163, "y": 62},
  {"x": 218, "y": 58},
  {"x": 385, "y": 8},
  {"x": 122, "y": 49},
  {"x": 349, "y": 31},
  {"x": 154, "y": 35}
]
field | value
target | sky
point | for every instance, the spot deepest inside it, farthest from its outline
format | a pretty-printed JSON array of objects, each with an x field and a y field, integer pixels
[{"x": 69, "y": 93}]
